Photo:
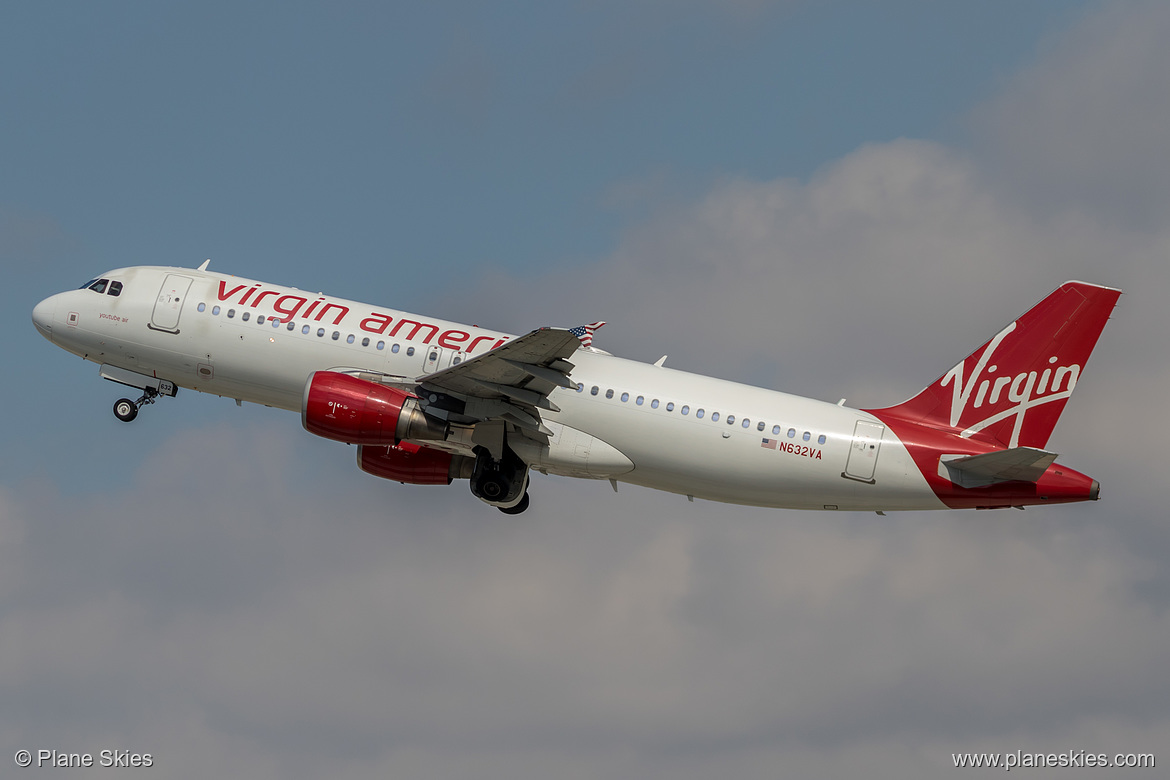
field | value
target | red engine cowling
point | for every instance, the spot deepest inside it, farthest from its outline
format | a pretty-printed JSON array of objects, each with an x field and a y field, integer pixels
[
  {"x": 409, "y": 463},
  {"x": 344, "y": 408}
]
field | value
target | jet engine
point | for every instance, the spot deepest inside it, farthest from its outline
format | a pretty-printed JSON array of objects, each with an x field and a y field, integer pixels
[
  {"x": 344, "y": 408},
  {"x": 413, "y": 464}
]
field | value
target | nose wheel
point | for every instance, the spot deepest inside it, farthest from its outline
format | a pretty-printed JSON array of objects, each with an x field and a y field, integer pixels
[{"x": 126, "y": 410}]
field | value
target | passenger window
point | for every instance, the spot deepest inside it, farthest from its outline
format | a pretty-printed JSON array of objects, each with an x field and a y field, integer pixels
[
  {"x": 685, "y": 410},
  {"x": 349, "y": 339},
  {"x": 381, "y": 345},
  {"x": 731, "y": 419},
  {"x": 714, "y": 416},
  {"x": 593, "y": 390},
  {"x": 654, "y": 404},
  {"x": 292, "y": 326},
  {"x": 202, "y": 307},
  {"x": 625, "y": 397},
  {"x": 759, "y": 426},
  {"x": 245, "y": 316},
  {"x": 791, "y": 432},
  {"x": 670, "y": 406},
  {"x": 580, "y": 387},
  {"x": 807, "y": 436},
  {"x": 639, "y": 400},
  {"x": 305, "y": 329},
  {"x": 821, "y": 439},
  {"x": 260, "y": 319},
  {"x": 394, "y": 349},
  {"x": 410, "y": 351},
  {"x": 366, "y": 341},
  {"x": 320, "y": 333},
  {"x": 116, "y": 290},
  {"x": 699, "y": 413},
  {"x": 747, "y": 423},
  {"x": 336, "y": 335},
  {"x": 433, "y": 357},
  {"x": 231, "y": 313},
  {"x": 609, "y": 393},
  {"x": 775, "y": 430},
  {"x": 215, "y": 310}
]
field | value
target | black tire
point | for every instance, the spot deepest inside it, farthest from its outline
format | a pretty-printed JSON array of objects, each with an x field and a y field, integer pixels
[
  {"x": 515, "y": 510},
  {"x": 125, "y": 409}
]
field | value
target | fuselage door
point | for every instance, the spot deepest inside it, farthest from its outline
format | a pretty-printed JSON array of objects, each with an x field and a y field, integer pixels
[
  {"x": 863, "y": 452},
  {"x": 169, "y": 304}
]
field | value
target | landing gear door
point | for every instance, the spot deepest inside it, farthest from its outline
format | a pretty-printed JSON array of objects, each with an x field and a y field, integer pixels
[
  {"x": 169, "y": 304},
  {"x": 863, "y": 452}
]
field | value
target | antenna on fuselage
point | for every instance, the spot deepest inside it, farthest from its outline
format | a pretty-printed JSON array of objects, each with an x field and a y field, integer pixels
[{"x": 204, "y": 266}]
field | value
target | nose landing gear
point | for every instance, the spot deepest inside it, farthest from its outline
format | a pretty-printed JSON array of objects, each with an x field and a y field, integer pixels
[
  {"x": 151, "y": 386},
  {"x": 126, "y": 410}
]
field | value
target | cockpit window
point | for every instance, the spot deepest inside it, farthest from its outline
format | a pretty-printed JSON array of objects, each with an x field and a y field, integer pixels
[
  {"x": 87, "y": 284},
  {"x": 99, "y": 286},
  {"x": 115, "y": 289}
]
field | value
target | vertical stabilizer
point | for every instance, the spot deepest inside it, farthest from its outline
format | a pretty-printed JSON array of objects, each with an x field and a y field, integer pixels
[{"x": 1010, "y": 392}]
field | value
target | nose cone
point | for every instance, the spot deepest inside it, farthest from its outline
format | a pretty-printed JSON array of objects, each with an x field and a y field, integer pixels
[{"x": 43, "y": 314}]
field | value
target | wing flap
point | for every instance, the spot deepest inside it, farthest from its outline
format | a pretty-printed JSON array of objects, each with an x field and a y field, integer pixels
[{"x": 510, "y": 383}]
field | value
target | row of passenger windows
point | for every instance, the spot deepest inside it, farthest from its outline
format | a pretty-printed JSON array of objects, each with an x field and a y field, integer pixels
[
  {"x": 307, "y": 329},
  {"x": 685, "y": 410}
]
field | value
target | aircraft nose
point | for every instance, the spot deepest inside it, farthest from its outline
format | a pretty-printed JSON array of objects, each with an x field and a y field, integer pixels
[{"x": 42, "y": 316}]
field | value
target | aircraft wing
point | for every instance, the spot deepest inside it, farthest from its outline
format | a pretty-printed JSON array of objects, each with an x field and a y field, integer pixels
[
  {"x": 1023, "y": 464},
  {"x": 510, "y": 383}
]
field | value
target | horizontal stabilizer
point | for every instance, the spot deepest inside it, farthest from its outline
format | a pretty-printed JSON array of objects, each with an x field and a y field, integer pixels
[{"x": 1020, "y": 464}]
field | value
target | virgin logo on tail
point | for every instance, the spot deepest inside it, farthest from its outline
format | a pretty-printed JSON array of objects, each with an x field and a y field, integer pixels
[
  {"x": 1016, "y": 390},
  {"x": 1023, "y": 375}
]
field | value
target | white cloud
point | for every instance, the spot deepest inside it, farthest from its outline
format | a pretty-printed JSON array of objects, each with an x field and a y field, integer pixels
[
  {"x": 1087, "y": 125},
  {"x": 363, "y": 626}
]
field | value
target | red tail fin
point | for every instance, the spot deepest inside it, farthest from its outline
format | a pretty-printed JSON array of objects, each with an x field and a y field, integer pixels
[{"x": 1010, "y": 392}]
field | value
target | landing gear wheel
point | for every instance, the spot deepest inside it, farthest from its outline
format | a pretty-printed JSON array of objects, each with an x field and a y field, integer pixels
[
  {"x": 125, "y": 409},
  {"x": 515, "y": 510},
  {"x": 493, "y": 486}
]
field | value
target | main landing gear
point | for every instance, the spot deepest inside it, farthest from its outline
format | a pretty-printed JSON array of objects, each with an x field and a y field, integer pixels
[
  {"x": 520, "y": 507},
  {"x": 502, "y": 483},
  {"x": 126, "y": 410}
]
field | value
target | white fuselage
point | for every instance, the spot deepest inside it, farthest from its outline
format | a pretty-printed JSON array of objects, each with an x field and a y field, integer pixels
[{"x": 645, "y": 424}]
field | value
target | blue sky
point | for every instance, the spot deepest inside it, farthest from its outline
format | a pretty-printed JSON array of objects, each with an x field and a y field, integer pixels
[
  {"x": 433, "y": 139},
  {"x": 834, "y": 199}
]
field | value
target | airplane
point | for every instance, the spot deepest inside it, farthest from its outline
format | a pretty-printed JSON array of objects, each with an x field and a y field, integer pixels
[{"x": 429, "y": 401}]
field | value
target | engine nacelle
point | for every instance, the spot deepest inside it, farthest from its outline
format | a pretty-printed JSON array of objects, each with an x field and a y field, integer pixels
[
  {"x": 344, "y": 408},
  {"x": 413, "y": 464}
]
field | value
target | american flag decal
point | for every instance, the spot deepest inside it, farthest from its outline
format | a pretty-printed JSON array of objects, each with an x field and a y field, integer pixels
[
  {"x": 585, "y": 332},
  {"x": 769, "y": 443}
]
